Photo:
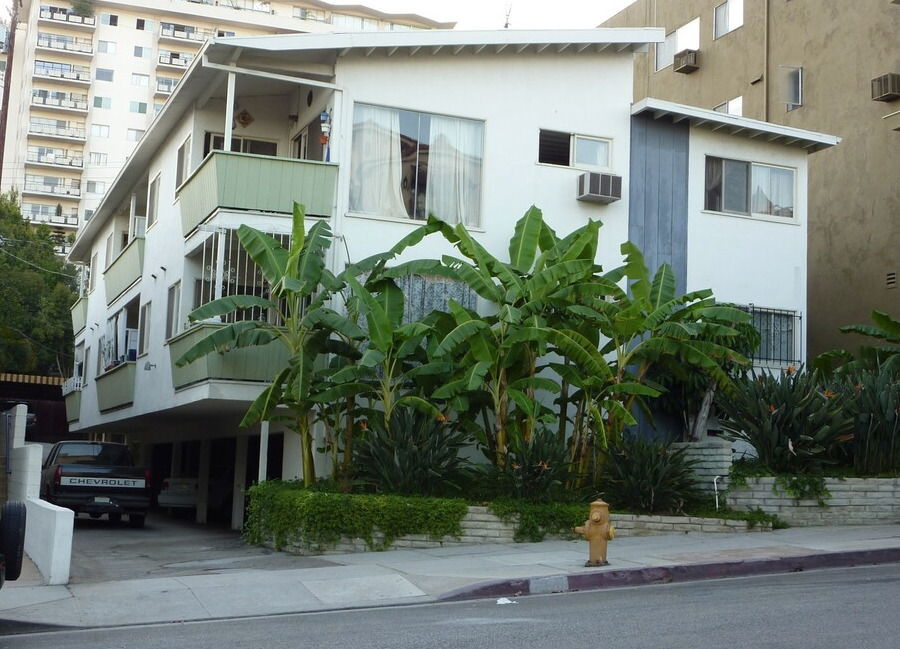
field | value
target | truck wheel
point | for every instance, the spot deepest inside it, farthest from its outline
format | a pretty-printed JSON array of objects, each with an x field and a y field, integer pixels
[
  {"x": 136, "y": 520},
  {"x": 12, "y": 538}
]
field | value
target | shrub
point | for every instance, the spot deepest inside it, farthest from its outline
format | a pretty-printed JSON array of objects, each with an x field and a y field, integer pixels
[
  {"x": 876, "y": 424},
  {"x": 794, "y": 421},
  {"x": 416, "y": 455},
  {"x": 286, "y": 513},
  {"x": 534, "y": 470},
  {"x": 648, "y": 477}
]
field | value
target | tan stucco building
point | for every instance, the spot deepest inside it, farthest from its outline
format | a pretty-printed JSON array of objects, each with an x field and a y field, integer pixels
[{"x": 812, "y": 65}]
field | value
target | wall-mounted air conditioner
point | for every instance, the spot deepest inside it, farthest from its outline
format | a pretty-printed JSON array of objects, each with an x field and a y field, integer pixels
[
  {"x": 599, "y": 187},
  {"x": 886, "y": 87},
  {"x": 686, "y": 61}
]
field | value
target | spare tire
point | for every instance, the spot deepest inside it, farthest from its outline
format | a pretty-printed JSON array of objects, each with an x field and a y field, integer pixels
[{"x": 12, "y": 538}]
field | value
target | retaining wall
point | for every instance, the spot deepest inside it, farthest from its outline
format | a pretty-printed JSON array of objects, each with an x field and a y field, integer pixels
[
  {"x": 853, "y": 501},
  {"x": 713, "y": 459}
]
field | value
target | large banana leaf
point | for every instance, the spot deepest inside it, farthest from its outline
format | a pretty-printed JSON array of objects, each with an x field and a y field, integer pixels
[
  {"x": 228, "y": 304},
  {"x": 266, "y": 252},
  {"x": 524, "y": 243},
  {"x": 227, "y": 337}
]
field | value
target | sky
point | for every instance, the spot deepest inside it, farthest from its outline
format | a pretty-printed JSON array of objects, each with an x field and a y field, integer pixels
[{"x": 491, "y": 14}]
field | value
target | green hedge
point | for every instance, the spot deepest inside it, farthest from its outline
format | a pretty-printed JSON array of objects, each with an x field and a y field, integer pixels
[{"x": 285, "y": 513}]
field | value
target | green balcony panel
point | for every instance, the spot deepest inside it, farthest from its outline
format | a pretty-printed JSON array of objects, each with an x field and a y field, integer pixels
[
  {"x": 73, "y": 406},
  {"x": 259, "y": 364},
  {"x": 79, "y": 315},
  {"x": 254, "y": 182},
  {"x": 125, "y": 270},
  {"x": 115, "y": 388}
]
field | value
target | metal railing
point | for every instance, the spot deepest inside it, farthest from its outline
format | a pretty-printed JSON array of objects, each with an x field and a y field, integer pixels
[{"x": 779, "y": 332}]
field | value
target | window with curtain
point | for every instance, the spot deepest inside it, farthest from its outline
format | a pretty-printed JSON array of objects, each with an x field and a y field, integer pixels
[
  {"x": 742, "y": 187},
  {"x": 407, "y": 164}
]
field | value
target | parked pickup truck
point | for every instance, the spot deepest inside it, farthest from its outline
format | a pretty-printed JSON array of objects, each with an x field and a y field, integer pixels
[{"x": 96, "y": 478}]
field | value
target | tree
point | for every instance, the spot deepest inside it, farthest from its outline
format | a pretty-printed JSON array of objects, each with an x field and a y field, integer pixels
[
  {"x": 301, "y": 288},
  {"x": 37, "y": 293}
]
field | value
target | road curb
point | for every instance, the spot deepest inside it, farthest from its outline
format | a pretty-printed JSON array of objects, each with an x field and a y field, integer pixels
[{"x": 606, "y": 578}]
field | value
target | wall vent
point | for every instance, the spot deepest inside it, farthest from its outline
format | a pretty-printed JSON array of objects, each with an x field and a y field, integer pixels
[
  {"x": 886, "y": 87},
  {"x": 599, "y": 188},
  {"x": 890, "y": 280}
]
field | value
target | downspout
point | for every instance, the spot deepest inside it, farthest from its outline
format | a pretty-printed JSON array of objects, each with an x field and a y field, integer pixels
[
  {"x": 766, "y": 61},
  {"x": 229, "y": 111}
]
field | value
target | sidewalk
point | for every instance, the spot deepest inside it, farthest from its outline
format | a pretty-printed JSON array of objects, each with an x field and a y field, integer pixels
[{"x": 224, "y": 589}]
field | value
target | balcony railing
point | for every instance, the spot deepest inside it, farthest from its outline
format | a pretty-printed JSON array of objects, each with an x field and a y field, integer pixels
[
  {"x": 58, "y": 189},
  {"x": 73, "y": 406},
  {"x": 182, "y": 61},
  {"x": 68, "y": 132},
  {"x": 75, "y": 45},
  {"x": 72, "y": 19},
  {"x": 68, "y": 102},
  {"x": 242, "y": 181},
  {"x": 72, "y": 384},
  {"x": 125, "y": 270},
  {"x": 166, "y": 86},
  {"x": 53, "y": 159},
  {"x": 194, "y": 36},
  {"x": 115, "y": 387},
  {"x": 78, "y": 75},
  {"x": 246, "y": 364},
  {"x": 79, "y": 315}
]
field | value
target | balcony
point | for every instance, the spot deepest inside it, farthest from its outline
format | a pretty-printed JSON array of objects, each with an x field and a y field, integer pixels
[
  {"x": 77, "y": 74},
  {"x": 64, "y": 161},
  {"x": 51, "y": 129},
  {"x": 72, "y": 20},
  {"x": 66, "y": 44},
  {"x": 125, "y": 270},
  {"x": 73, "y": 405},
  {"x": 175, "y": 60},
  {"x": 69, "y": 102},
  {"x": 259, "y": 364},
  {"x": 243, "y": 181},
  {"x": 79, "y": 314},
  {"x": 184, "y": 35},
  {"x": 57, "y": 189},
  {"x": 165, "y": 86},
  {"x": 62, "y": 221},
  {"x": 115, "y": 387}
]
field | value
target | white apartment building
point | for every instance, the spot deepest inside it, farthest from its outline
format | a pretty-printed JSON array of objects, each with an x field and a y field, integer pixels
[
  {"x": 89, "y": 76},
  {"x": 511, "y": 119}
]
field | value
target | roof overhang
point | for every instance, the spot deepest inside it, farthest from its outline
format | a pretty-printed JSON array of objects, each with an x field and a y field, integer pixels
[{"x": 735, "y": 125}]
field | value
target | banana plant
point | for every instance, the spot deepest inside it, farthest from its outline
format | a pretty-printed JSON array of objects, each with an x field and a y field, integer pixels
[{"x": 301, "y": 286}]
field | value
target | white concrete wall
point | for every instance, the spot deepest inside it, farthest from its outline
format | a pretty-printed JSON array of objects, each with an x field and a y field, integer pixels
[{"x": 48, "y": 528}]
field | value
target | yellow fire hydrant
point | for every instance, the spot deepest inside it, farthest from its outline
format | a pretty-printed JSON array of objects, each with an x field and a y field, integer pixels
[{"x": 598, "y": 531}]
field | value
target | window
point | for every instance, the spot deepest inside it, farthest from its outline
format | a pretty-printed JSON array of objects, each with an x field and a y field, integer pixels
[
  {"x": 138, "y": 107},
  {"x": 99, "y": 130},
  {"x": 134, "y": 134},
  {"x": 568, "y": 150},
  {"x": 110, "y": 249},
  {"x": 95, "y": 187},
  {"x": 216, "y": 142},
  {"x": 88, "y": 214},
  {"x": 731, "y": 107},
  {"x": 140, "y": 80},
  {"x": 307, "y": 14},
  {"x": 790, "y": 86},
  {"x": 109, "y": 19},
  {"x": 142, "y": 52},
  {"x": 407, "y": 164},
  {"x": 222, "y": 33},
  {"x": 94, "y": 271},
  {"x": 142, "y": 24},
  {"x": 104, "y": 74},
  {"x": 102, "y": 102},
  {"x": 778, "y": 331},
  {"x": 144, "y": 330},
  {"x": 98, "y": 159},
  {"x": 749, "y": 188},
  {"x": 686, "y": 37},
  {"x": 182, "y": 165},
  {"x": 153, "y": 202},
  {"x": 173, "y": 307},
  {"x": 728, "y": 16},
  {"x": 106, "y": 47}
]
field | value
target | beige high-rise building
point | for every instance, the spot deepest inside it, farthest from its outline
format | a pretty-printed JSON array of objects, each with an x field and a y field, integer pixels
[
  {"x": 831, "y": 67},
  {"x": 88, "y": 77}
]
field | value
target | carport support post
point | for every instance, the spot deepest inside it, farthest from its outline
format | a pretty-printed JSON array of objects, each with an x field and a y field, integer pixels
[
  {"x": 240, "y": 477},
  {"x": 203, "y": 486},
  {"x": 263, "y": 452}
]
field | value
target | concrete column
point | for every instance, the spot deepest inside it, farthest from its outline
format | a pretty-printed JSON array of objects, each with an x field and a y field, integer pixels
[
  {"x": 292, "y": 460},
  {"x": 203, "y": 482},
  {"x": 175, "y": 467},
  {"x": 263, "y": 452},
  {"x": 240, "y": 472}
]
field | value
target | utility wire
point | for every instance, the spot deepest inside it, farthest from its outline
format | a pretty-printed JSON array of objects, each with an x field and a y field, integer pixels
[{"x": 25, "y": 261}]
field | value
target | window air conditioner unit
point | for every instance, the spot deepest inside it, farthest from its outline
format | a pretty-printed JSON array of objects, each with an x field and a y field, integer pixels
[
  {"x": 686, "y": 61},
  {"x": 599, "y": 188},
  {"x": 886, "y": 87}
]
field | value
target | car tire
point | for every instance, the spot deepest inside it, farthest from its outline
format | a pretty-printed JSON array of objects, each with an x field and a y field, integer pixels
[
  {"x": 136, "y": 520},
  {"x": 12, "y": 538}
]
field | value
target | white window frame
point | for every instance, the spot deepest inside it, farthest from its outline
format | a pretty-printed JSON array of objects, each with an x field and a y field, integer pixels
[
  {"x": 754, "y": 172},
  {"x": 144, "y": 329},
  {"x": 686, "y": 37},
  {"x": 732, "y": 106},
  {"x": 727, "y": 17},
  {"x": 173, "y": 310},
  {"x": 153, "y": 201}
]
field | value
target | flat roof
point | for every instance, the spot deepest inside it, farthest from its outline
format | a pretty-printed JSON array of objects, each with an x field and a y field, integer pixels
[{"x": 735, "y": 125}]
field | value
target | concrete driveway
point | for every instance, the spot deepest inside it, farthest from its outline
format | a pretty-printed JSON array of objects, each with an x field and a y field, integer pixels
[{"x": 167, "y": 547}]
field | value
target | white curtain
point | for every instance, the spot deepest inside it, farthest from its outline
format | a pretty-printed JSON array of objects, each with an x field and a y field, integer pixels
[
  {"x": 773, "y": 191},
  {"x": 376, "y": 168},
  {"x": 454, "y": 170}
]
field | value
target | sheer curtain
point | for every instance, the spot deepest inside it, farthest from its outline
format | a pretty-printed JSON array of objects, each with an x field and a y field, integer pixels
[
  {"x": 454, "y": 170},
  {"x": 773, "y": 191},
  {"x": 376, "y": 163}
]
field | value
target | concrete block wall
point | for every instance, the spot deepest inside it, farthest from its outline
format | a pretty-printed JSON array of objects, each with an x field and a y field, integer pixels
[
  {"x": 713, "y": 457},
  {"x": 853, "y": 501},
  {"x": 633, "y": 525}
]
